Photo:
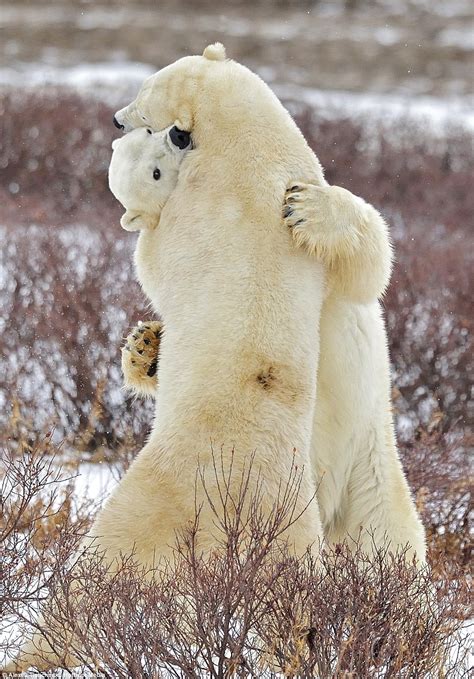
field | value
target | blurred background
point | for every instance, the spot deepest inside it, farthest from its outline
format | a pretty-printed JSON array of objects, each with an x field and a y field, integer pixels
[
  {"x": 383, "y": 92},
  {"x": 401, "y": 47}
]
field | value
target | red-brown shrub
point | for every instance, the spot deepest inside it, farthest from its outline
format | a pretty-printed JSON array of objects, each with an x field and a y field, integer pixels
[{"x": 247, "y": 609}]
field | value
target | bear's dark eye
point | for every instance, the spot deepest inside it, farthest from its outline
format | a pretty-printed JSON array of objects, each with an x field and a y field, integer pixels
[
  {"x": 156, "y": 173},
  {"x": 149, "y": 131}
]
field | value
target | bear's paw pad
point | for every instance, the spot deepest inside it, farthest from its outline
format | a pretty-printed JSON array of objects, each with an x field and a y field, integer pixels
[{"x": 140, "y": 357}]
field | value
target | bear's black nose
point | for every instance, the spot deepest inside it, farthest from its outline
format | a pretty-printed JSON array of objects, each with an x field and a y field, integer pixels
[
  {"x": 180, "y": 138},
  {"x": 118, "y": 125}
]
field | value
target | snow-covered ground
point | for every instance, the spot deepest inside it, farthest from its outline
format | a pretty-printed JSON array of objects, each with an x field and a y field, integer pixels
[{"x": 380, "y": 62}]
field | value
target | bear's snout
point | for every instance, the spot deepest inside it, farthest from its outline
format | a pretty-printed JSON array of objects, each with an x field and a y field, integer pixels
[
  {"x": 180, "y": 138},
  {"x": 118, "y": 125}
]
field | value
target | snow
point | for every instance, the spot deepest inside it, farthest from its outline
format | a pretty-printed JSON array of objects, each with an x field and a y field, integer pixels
[
  {"x": 119, "y": 81},
  {"x": 82, "y": 76},
  {"x": 95, "y": 481},
  {"x": 465, "y": 639},
  {"x": 389, "y": 108},
  {"x": 459, "y": 37}
]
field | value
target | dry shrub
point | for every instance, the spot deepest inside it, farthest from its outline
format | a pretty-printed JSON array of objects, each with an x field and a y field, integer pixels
[
  {"x": 55, "y": 148},
  {"x": 69, "y": 294},
  {"x": 248, "y": 609},
  {"x": 439, "y": 469},
  {"x": 40, "y": 524},
  {"x": 66, "y": 309}
]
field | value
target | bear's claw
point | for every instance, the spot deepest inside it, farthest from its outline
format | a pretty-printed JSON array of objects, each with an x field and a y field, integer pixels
[
  {"x": 294, "y": 205},
  {"x": 140, "y": 358},
  {"x": 151, "y": 372}
]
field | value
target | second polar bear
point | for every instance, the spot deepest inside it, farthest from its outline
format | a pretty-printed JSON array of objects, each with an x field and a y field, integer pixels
[
  {"x": 144, "y": 171},
  {"x": 361, "y": 486}
]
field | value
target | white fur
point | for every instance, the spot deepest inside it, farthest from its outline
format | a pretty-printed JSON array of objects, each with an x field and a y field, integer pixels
[
  {"x": 344, "y": 232},
  {"x": 240, "y": 306},
  {"x": 362, "y": 488},
  {"x": 135, "y": 158}
]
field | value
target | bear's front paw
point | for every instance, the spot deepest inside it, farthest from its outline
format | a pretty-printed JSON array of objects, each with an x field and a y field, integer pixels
[
  {"x": 140, "y": 358},
  {"x": 322, "y": 219},
  {"x": 299, "y": 204}
]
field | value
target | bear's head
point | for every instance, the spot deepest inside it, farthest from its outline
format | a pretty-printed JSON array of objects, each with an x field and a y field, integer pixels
[
  {"x": 172, "y": 95},
  {"x": 143, "y": 172},
  {"x": 237, "y": 123}
]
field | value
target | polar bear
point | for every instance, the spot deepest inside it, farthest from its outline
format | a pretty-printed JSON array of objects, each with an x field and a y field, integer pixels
[
  {"x": 240, "y": 306},
  {"x": 361, "y": 488}
]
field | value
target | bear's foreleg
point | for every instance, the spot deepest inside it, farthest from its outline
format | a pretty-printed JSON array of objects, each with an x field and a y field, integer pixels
[
  {"x": 346, "y": 233},
  {"x": 140, "y": 358}
]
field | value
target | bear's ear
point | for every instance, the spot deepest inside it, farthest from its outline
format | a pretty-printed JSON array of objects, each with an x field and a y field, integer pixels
[
  {"x": 136, "y": 221},
  {"x": 215, "y": 52}
]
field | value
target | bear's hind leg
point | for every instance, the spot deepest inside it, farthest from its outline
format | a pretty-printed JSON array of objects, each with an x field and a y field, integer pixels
[{"x": 379, "y": 510}]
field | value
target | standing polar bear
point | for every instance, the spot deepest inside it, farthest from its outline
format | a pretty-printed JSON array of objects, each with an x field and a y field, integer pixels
[
  {"x": 247, "y": 152},
  {"x": 240, "y": 306}
]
